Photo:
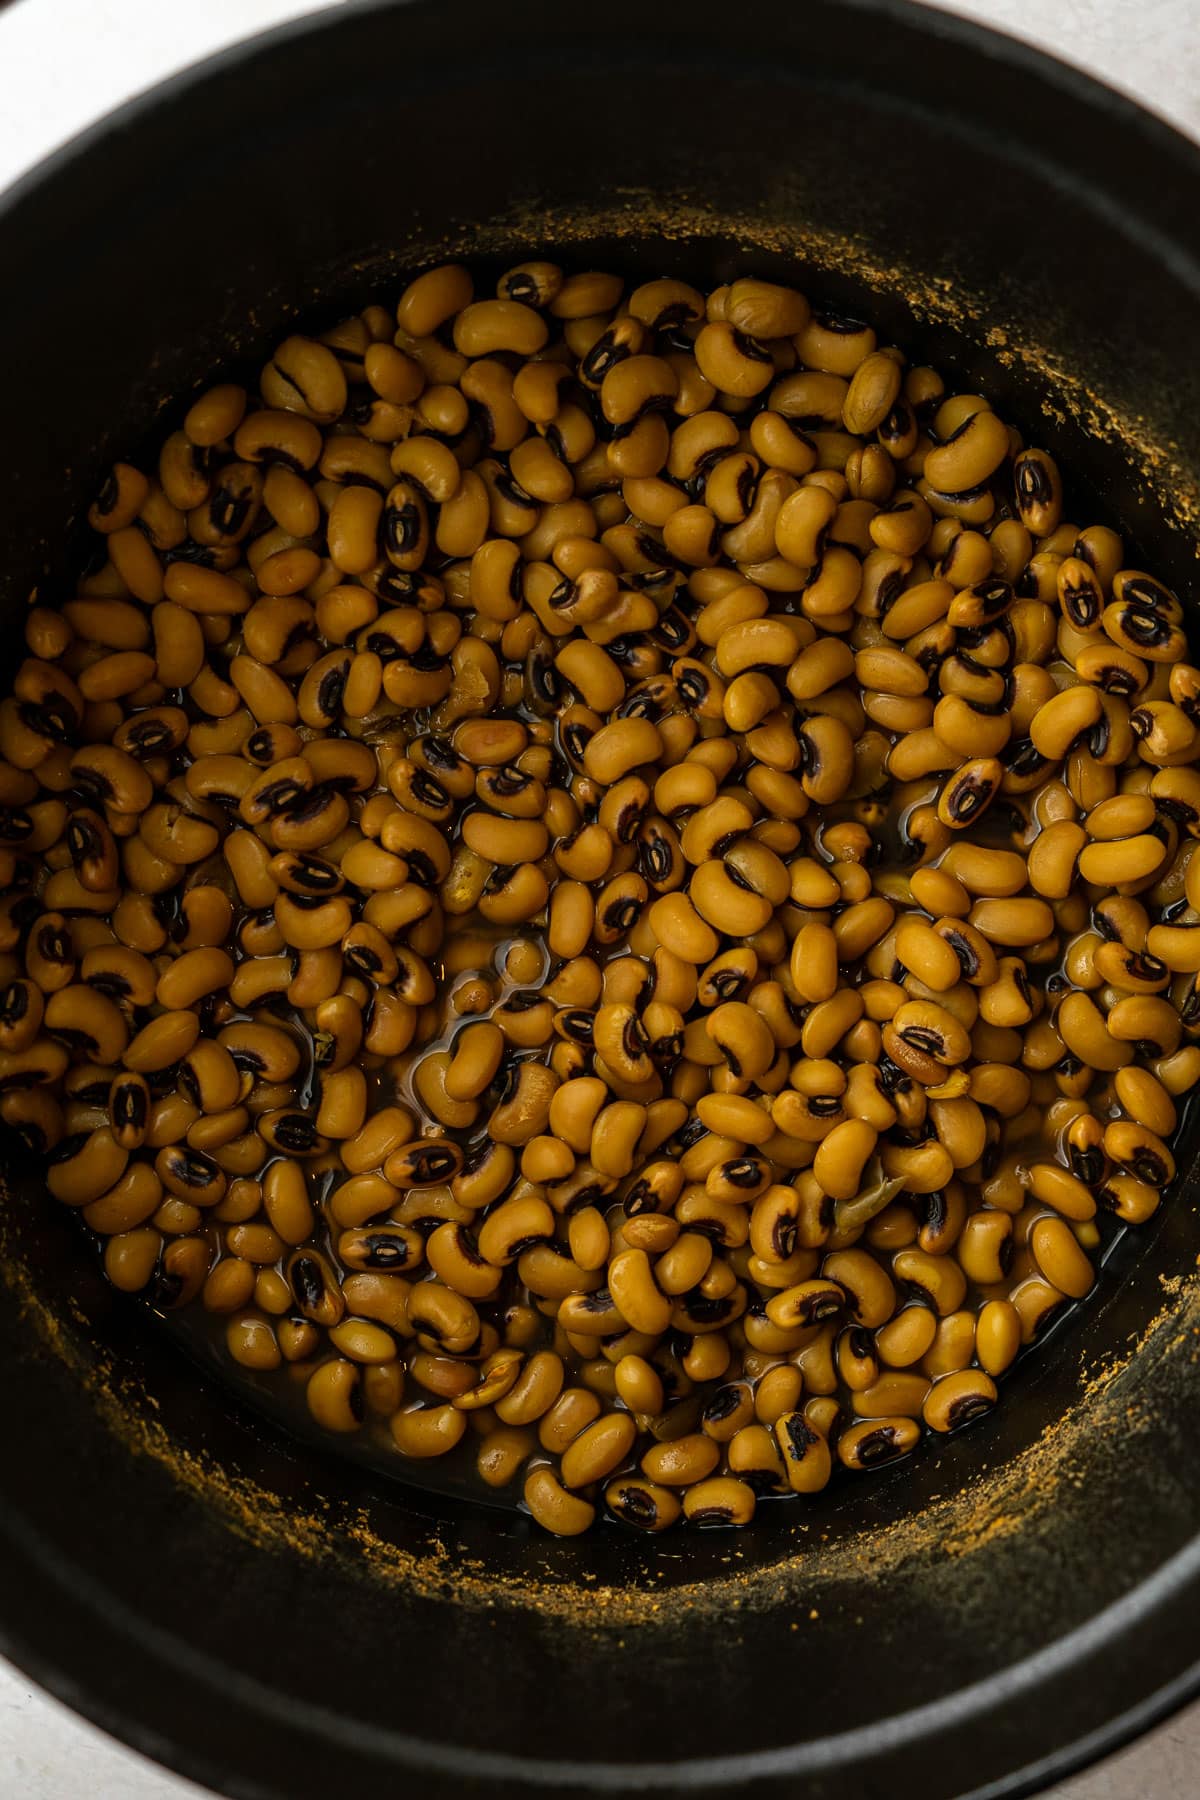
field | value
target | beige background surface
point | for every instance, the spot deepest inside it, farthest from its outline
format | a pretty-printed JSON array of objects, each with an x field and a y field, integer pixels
[{"x": 65, "y": 62}]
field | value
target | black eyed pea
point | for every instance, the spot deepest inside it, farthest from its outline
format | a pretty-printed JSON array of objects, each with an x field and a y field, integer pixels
[
  {"x": 85, "y": 1167},
  {"x": 969, "y": 792},
  {"x": 1145, "y": 1099},
  {"x": 1059, "y": 1188},
  {"x": 857, "y": 1364},
  {"x": 985, "y": 1246},
  {"x": 1020, "y": 923},
  {"x": 776, "y": 1393},
  {"x": 639, "y": 1384},
  {"x": 554, "y": 1507},
  {"x": 334, "y": 1396},
  {"x": 635, "y": 1293},
  {"x": 842, "y": 1156},
  {"x": 574, "y": 1410},
  {"x": 501, "y": 1455},
  {"x": 764, "y": 309},
  {"x": 733, "y": 361},
  {"x": 433, "y": 298},
  {"x": 190, "y": 1175},
  {"x": 427, "y": 1431},
  {"x": 598, "y": 1449},
  {"x": 898, "y": 1393},
  {"x": 1037, "y": 1304},
  {"x": 1059, "y": 1257},
  {"x": 869, "y": 1295},
  {"x": 997, "y": 1336},
  {"x": 873, "y": 391},
  {"x": 1131, "y": 1200},
  {"x": 161, "y": 1043},
  {"x": 744, "y": 1038},
  {"x": 251, "y": 1341},
  {"x": 643, "y": 1504},
  {"x": 973, "y": 452},
  {"x": 618, "y": 748},
  {"x": 935, "y": 1280},
  {"x": 873, "y": 1442},
  {"x": 1140, "y": 1151},
  {"x": 1061, "y": 722},
  {"x": 719, "y": 1502},
  {"x": 754, "y": 1456},
  {"x": 1037, "y": 486},
  {"x": 534, "y": 1392},
  {"x": 681, "y": 1461},
  {"x": 386, "y": 1247},
  {"x": 906, "y": 1337},
  {"x": 804, "y": 1452},
  {"x": 958, "y": 1398},
  {"x": 486, "y": 327},
  {"x": 1086, "y": 1033},
  {"x": 131, "y": 1258},
  {"x": 363, "y": 1341},
  {"x": 305, "y": 377},
  {"x": 807, "y": 1303}
]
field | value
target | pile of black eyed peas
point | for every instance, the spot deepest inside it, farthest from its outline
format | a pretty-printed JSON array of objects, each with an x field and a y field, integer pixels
[{"x": 603, "y": 877}]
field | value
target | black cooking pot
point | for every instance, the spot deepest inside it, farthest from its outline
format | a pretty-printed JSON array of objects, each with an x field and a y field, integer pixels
[{"x": 277, "y": 1622}]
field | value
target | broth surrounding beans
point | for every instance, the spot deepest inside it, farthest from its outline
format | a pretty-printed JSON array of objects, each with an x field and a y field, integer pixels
[{"x": 604, "y": 883}]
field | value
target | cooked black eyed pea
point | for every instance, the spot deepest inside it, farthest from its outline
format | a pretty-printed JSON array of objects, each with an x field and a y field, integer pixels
[
  {"x": 35, "y": 1115},
  {"x": 805, "y": 1454},
  {"x": 444, "y": 1320},
  {"x": 754, "y": 1456},
  {"x": 388, "y": 1248},
  {"x": 958, "y": 1398},
  {"x": 85, "y": 1166},
  {"x": 681, "y": 1461},
  {"x": 131, "y": 1258},
  {"x": 732, "y": 360},
  {"x": 363, "y": 1341},
  {"x": 985, "y": 1246},
  {"x": 1140, "y": 1151},
  {"x": 1060, "y": 1258},
  {"x": 856, "y": 1360},
  {"x": 877, "y": 1441},
  {"x": 190, "y": 1175},
  {"x": 334, "y": 1395},
  {"x": 501, "y": 1455},
  {"x": 719, "y": 1502},
  {"x": 22, "y": 1007},
  {"x": 428, "y": 1431},
  {"x": 554, "y": 1507},
  {"x": 730, "y": 1408},
  {"x": 643, "y": 1504},
  {"x": 251, "y": 1341},
  {"x": 807, "y": 1303},
  {"x": 315, "y": 1288},
  {"x": 899, "y": 1393},
  {"x": 933, "y": 1279},
  {"x": 869, "y": 1295},
  {"x": 426, "y": 1163},
  {"x": 130, "y": 1202},
  {"x": 598, "y": 1449},
  {"x": 305, "y": 377},
  {"x": 1145, "y": 1099}
]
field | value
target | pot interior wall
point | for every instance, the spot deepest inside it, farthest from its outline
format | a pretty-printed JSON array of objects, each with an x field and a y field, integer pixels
[{"x": 266, "y": 1615}]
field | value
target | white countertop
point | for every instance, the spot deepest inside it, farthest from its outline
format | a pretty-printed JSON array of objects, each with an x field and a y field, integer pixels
[{"x": 65, "y": 62}]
